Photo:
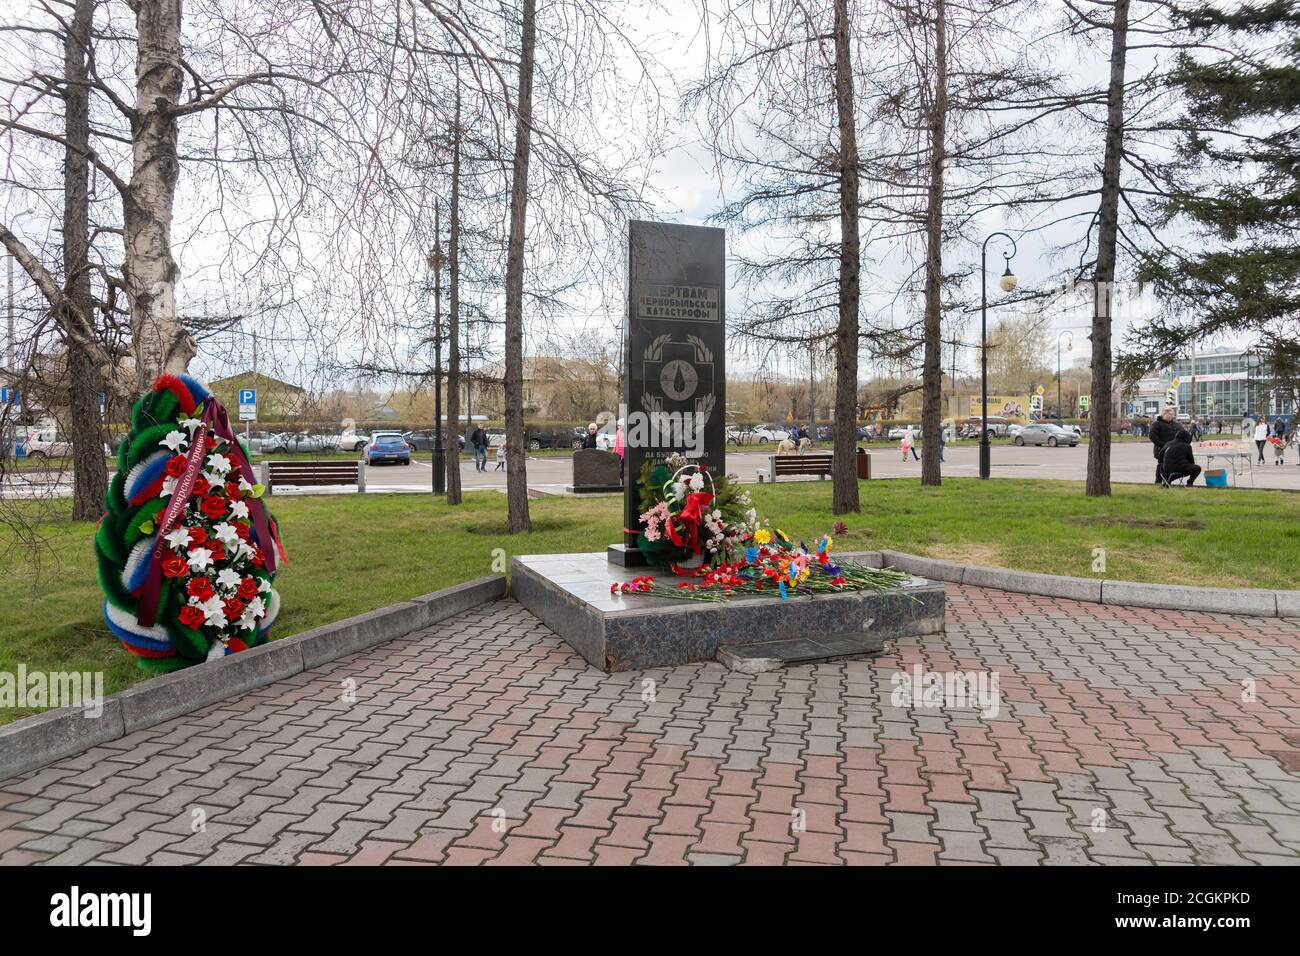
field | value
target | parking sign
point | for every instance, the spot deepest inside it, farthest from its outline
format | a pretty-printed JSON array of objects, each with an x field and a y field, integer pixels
[{"x": 248, "y": 404}]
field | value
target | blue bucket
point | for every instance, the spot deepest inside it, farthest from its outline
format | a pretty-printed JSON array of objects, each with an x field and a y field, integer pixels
[{"x": 1216, "y": 478}]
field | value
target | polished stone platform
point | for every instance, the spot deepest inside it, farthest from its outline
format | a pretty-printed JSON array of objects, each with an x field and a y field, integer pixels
[{"x": 570, "y": 593}]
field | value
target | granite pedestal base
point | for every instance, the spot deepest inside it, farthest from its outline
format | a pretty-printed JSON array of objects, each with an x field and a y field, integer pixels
[{"x": 570, "y": 594}]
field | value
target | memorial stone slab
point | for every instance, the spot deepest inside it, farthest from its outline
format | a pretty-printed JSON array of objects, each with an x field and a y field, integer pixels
[{"x": 674, "y": 356}]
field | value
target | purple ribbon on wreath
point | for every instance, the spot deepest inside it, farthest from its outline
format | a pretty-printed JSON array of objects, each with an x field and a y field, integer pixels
[{"x": 214, "y": 418}]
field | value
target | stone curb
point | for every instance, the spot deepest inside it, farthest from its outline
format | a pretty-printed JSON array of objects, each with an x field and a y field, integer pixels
[
  {"x": 37, "y": 740},
  {"x": 1174, "y": 597}
]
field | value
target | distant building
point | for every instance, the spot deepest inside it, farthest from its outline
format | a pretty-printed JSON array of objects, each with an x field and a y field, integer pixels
[
  {"x": 1219, "y": 383},
  {"x": 277, "y": 401}
]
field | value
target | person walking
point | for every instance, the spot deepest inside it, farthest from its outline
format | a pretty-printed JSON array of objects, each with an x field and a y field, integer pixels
[
  {"x": 1261, "y": 437},
  {"x": 1178, "y": 461},
  {"x": 1163, "y": 430},
  {"x": 909, "y": 444},
  {"x": 501, "y": 455},
  {"x": 478, "y": 439},
  {"x": 589, "y": 439},
  {"x": 943, "y": 440},
  {"x": 620, "y": 449}
]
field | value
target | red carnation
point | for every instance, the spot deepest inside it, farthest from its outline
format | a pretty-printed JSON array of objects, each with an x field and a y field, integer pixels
[
  {"x": 199, "y": 587},
  {"x": 234, "y": 607},
  {"x": 247, "y": 589},
  {"x": 175, "y": 465},
  {"x": 175, "y": 566},
  {"x": 191, "y": 616},
  {"x": 213, "y": 506}
]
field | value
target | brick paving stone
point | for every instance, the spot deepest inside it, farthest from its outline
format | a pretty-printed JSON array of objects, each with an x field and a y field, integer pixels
[{"x": 492, "y": 718}]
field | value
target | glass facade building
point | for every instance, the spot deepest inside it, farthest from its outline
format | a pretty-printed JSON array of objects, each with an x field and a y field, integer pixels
[{"x": 1217, "y": 384}]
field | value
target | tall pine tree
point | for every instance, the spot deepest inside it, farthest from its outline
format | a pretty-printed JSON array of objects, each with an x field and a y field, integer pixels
[{"x": 1236, "y": 183}]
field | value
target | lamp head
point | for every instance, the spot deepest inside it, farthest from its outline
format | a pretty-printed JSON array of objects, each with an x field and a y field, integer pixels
[{"x": 1008, "y": 280}]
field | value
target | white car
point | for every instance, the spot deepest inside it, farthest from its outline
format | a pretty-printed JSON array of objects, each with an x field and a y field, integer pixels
[
  {"x": 44, "y": 444},
  {"x": 769, "y": 433}
]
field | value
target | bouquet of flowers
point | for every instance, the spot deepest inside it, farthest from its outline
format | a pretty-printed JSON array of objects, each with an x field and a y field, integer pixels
[
  {"x": 691, "y": 517},
  {"x": 772, "y": 564},
  {"x": 187, "y": 551}
]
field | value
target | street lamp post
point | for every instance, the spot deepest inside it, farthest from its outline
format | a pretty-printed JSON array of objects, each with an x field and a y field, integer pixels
[
  {"x": 1059, "y": 419},
  {"x": 436, "y": 261},
  {"x": 1007, "y": 283}
]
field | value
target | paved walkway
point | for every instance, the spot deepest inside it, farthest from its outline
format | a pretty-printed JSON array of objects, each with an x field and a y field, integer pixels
[{"x": 1122, "y": 737}]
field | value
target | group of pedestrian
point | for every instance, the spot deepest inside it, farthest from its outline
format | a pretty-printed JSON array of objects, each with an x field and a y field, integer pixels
[
  {"x": 908, "y": 443},
  {"x": 1281, "y": 435}
]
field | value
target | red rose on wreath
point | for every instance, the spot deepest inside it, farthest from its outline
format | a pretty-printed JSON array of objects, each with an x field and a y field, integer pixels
[
  {"x": 241, "y": 529},
  {"x": 258, "y": 560},
  {"x": 213, "y": 506},
  {"x": 209, "y": 443},
  {"x": 200, "y": 588},
  {"x": 197, "y": 535},
  {"x": 175, "y": 466},
  {"x": 191, "y": 616},
  {"x": 232, "y": 491},
  {"x": 201, "y": 485},
  {"x": 247, "y": 589},
  {"x": 234, "y": 607},
  {"x": 218, "y": 552},
  {"x": 174, "y": 566}
]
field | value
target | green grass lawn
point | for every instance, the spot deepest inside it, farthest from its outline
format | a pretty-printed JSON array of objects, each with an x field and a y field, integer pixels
[{"x": 353, "y": 553}]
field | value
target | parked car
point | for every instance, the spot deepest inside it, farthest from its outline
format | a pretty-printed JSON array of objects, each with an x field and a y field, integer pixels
[
  {"x": 548, "y": 438},
  {"x": 299, "y": 443},
  {"x": 422, "y": 439},
  {"x": 43, "y": 443},
  {"x": 898, "y": 431},
  {"x": 387, "y": 446},
  {"x": 348, "y": 441},
  {"x": 1043, "y": 434},
  {"x": 769, "y": 433},
  {"x": 739, "y": 435}
]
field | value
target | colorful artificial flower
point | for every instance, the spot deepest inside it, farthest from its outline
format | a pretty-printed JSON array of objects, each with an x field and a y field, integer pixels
[{"x": 175, "y": 566}]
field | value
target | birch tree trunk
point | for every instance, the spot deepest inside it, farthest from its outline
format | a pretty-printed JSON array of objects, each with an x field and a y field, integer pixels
[
  {"x": 160, "y": 343},
  {"x": 453, "y": 318},
  {"x": 516, "y": 464},
  {"x": 84, "y": 383},
  {"x": 932, "y": 369},
  {"x": 1103, "y": 282},
  {"x": 844, "y": 475}
]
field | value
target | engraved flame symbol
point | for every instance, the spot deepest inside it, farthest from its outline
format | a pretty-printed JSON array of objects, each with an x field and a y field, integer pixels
[{"x": 679, "y": 381}]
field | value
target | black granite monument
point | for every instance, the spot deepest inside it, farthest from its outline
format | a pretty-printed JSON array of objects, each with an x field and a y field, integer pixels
[{"x": 674, "y": 347}]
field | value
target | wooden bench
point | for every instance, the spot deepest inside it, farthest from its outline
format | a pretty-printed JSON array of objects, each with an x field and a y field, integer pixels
[
  {"x": 806, "y": 464},
  {"x": 276, "y": 473}
]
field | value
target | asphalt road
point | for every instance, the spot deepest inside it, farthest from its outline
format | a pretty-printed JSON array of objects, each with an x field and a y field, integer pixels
[{"x": 1130, "y": 462}]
